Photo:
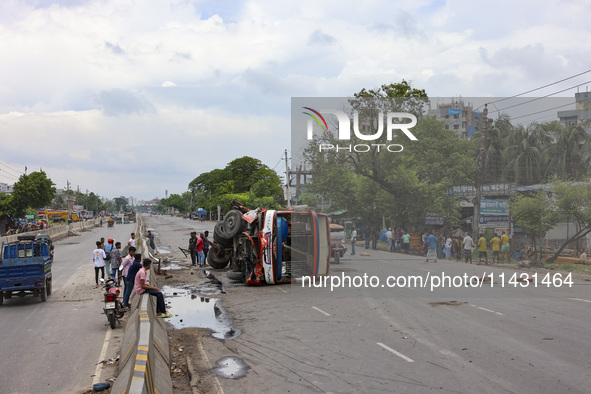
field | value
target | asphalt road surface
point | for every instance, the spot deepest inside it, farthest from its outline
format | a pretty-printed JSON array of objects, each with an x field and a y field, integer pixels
[
  {"x": 54, "y": 346},
  {"x": 508, "y": 338}
]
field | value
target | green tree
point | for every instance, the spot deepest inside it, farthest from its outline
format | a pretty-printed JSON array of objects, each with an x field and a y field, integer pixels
[
  {"x": 570, "y": 155},
  {"x": 120, "y": 203},
  {"x": 34, "y": 190},
  {"x": 535, "y": 213},
  {"x": 525, "y": 155}
]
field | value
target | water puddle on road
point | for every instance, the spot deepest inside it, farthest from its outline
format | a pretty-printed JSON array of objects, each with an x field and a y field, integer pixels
[
  {"x": 193, "y": 306},
  {"x": 231, "y": 368},
  {"x": 171, "y": 265}
]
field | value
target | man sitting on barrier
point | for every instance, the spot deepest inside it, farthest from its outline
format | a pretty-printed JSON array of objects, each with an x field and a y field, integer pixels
[{"x": 141, "y": 286}]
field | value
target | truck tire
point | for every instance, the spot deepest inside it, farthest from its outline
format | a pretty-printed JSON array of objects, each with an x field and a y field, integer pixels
[
  {"x": 43, "y": 292},
  {"x": 1, "y": 298},
  {"x": 49, "y": 287},
  {"x": 233, "y": 223},
  {"x": 219, "y": 236},
  {"x": 217, "y": 262}
]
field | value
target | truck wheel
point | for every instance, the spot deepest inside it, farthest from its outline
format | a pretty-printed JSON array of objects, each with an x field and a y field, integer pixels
[
  {"x": 49, "y": 287},
  {"x": 1, "y": 298},
  {"x": 219, "y": 236},
  {"x": 43, "y": 293},
  {"x": 111, "y": 318},
  {"x": 215, "y": 261},
  {"x": 233, "y": 223},
  {"x": 8, "y": 295}
]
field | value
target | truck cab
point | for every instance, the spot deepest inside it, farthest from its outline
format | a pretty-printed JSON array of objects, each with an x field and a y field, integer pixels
[{"x": 25, "y": 268}]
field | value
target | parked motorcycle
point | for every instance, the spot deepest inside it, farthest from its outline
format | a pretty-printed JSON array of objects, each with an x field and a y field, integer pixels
[{"x": 113, "y": 307}]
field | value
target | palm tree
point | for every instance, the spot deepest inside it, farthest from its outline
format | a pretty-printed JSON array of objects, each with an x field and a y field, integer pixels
[
  {"x": 525, "y": 154},
  {"x": 571, "y": 153}
]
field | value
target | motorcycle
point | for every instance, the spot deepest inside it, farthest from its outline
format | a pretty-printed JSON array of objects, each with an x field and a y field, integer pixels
[{"x": 113, "y": 307}]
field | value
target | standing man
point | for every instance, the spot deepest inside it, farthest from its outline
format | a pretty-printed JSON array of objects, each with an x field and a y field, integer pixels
[
  {"x": 505, "y": 248},
  {"x": 193, "y": 247},
  {"x": 468, "y": 246},
  {"x": 406, "y": 242},
  {"x": 151, "y": 239},
  {"x": 131, "y": 240},
  {"x": 116, "y": 262},
  {"x": 205, "y": 245},
  {"x": 432, "y": 247},
  {"x": 199, "y": 248},
  {"x": 353, "y": 239},
  {"x": 496, "y": 248},
  {"x": 98, "y": 258},
  {"x": 130, "y": 278},
  {"x": 108, "y": 249},
  {"x": 125, "y": 264},
  {"x": 389, "y": 238},
  {"x": 482, "y": 249},
  {"x": 447, "y": 249},
  {"x": 141, "y": 286}
]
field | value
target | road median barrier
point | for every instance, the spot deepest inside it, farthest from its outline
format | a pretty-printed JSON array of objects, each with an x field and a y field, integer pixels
[{"x": 145, "y": 350}]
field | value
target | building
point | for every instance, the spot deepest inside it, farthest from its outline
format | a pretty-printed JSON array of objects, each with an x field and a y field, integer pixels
[
  {"x": 457, "y": 116},
  {"x": 132, "y": 201},
  {"x": 5, "y": 188},
  {"x": 580, "y": 114}
]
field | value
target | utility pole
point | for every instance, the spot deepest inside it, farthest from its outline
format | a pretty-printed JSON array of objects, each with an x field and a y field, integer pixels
[
  {"x": 288, "y": 191},
  {"x": 479, "y": 175}
]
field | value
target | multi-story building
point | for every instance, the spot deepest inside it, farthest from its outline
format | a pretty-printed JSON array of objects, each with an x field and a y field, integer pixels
[
  {"x": 5, "y": 188},
  {"x": 457, "y": 116},
  {"x": 580, "y": 114}
]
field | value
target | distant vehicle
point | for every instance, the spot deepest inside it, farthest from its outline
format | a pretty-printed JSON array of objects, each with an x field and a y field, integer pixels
[
  {"x": 337, "y": 242},
  {"x": 271, "y": 246},
  {"x": 25, "y": 268}
]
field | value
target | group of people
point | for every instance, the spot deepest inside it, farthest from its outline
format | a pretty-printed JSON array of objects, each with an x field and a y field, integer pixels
[
  {"x": 131, "y": 269},
  {"x": 198, "y": 248},
  {"x": 446, "y": 247},
  {"x": 397, "y": 239}
]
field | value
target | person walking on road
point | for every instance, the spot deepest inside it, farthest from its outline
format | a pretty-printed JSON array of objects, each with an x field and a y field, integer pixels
[
  {"x": 406, "y": 242},
  {"x": 130, "y": 278},
  {"x": 431, "y": 241},
  {"x": 353, "y": 239},
  {"x": 193, "y": 247},
  {"x": 98, "y": 258},
  {"x": 468, "y": 246},
  {"x": 151, "y": 240},
  {"x": 482, "y": 249},
  {"x": 447, "y": 249},
  {"x": 141, "y": 286}
]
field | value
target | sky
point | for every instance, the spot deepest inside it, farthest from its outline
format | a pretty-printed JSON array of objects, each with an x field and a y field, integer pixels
[{"x": 136, "y": 98}]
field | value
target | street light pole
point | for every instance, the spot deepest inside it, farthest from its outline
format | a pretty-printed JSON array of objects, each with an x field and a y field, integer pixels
[{"x": 479, "y": 175}]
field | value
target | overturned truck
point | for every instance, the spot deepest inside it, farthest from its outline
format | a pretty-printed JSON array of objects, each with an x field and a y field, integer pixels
[{"x": 264, "y": 246}]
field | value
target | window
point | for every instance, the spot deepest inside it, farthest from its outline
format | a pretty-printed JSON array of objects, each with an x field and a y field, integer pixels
[
  {"x": 446, "y": 127},
  {"x": 456, "y": 127}
]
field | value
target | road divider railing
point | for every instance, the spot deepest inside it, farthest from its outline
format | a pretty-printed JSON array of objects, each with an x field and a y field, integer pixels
[
  {"x": 144, "y": 365},
  {"x": 56, "y": 232}
]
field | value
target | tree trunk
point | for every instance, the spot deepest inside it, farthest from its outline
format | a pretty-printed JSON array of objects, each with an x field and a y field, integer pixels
[{"x": 574, "y": 238}]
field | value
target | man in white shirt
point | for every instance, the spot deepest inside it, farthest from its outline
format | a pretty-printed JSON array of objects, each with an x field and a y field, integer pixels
[
  {"x": 132, "y": 240},
  {"x": 389, "y": 237},
  {"x": 98, "y": 258},
  {"x": 468, "y": 246},
  {"x": 353, "y": 239}
]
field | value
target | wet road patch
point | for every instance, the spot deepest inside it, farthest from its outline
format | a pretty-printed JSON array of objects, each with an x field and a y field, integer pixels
[{"x": 231, "y": 368}]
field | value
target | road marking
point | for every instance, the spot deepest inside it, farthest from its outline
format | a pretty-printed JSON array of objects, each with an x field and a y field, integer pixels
[
  {"x": 488, "y": 310},
  {"x": 219, "y": 388},
  {"x": 402, "y": 356},
  {"x": 99, "y": 365},
  {"x": 580, "y": 299},
  {"x": 321, "y": 311},
  {"x": 280, "y": 289}
]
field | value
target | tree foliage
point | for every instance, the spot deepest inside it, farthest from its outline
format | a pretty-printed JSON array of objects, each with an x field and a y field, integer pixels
[{"x": 34, "y": 190}]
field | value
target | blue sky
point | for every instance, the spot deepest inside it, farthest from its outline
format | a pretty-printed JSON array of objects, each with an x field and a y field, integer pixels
[{"x": 127, "y": 97}]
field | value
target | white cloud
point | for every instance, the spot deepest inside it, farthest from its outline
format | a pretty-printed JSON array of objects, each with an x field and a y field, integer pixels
[{"x": 94, "y": 79}]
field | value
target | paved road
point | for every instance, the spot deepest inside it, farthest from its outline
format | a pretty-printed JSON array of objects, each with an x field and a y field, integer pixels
[
  {"x": 53, "y": 347},
  {"x": 407, "y": 340}
]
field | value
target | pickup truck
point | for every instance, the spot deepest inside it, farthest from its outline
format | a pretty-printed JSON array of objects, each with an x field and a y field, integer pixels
[{"x": 25, "y": 268}]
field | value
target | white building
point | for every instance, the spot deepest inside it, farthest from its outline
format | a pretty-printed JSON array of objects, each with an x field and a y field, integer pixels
[{"x": 5, "y": 188}]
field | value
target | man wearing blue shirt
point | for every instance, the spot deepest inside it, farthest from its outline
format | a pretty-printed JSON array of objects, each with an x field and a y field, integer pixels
[
  {"x": 130, "y": 278},
  {"x": 431, "y": 241}
]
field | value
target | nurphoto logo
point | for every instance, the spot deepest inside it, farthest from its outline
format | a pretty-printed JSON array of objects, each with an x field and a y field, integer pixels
[{"x": 344, "y": 130}]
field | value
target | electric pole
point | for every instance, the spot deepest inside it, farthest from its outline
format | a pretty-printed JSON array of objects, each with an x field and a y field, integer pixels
[
  {"x": 479, "y": 175},
  {"x": 288, "y": 191}
]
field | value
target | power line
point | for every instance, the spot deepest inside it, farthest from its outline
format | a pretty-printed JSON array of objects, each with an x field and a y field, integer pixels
[
  {"x": 545, "y": 110},
  {"x": 537, "y": 98},
  {"x": 11, "y": 169},
  {"x": 541, "y": 87}
]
